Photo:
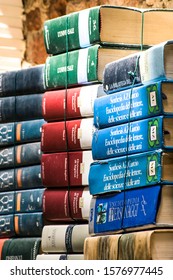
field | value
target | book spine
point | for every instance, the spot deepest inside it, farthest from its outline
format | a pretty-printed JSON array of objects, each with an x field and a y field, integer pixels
[
  {"x": 28, "y": 224},
  {"x": 129, "y": 105},
  {"x": 124, "y": 210},
  {"x": 7, "y": 226},
  {"x": 123, "y": 173},
  {"x": 56, "y": 173},
  {"x": 20, "y": 155},
  {"x": 26, "y": 248},
  {"x": 7, "y": 201},
  {"x": 73, "y": 103},
  {"x": 70, "y": 135},
  {"x": 80, "y": 68},
  {"x": 58, "y": 30},
  {"x": 129, "y": 138}
]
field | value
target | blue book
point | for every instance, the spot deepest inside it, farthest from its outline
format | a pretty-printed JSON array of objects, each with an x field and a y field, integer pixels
[
  {"x": 7, "y": 226},
  {"x": 7, "y": 202},
  {"x": 133, "y": 137},
  {"x": 132, "y": 210},
  {"x": 138, "y": 103},
  {"x": 137, "y": 170}
]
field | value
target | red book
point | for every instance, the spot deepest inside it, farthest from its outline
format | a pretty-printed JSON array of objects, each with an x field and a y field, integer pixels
[
  {"x": 66, "y": 169},
  {"x": 63, "y": 205},
  {"x": 70, "y": 103},
  {"x": 67, "y": 136}
]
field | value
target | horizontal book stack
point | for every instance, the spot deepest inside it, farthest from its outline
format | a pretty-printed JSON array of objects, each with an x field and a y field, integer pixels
[
  {"x": 132, "y": 150},
  {"x": 21, "y": 188},
  {"x": 12, "y": 43}
]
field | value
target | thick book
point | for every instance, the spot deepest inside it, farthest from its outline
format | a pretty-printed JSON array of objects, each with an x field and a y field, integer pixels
[
  {"x": 20, "y": 155},
  {"x": 25, "y": 177},
  {"x": 133, "y": 137},
  {"x": 66, "y": 205},
  {"x": 21, "y": 108},
  {"x": 143, "y": 67},
  {"x": 139, "y": 245},
  {"x": 64, "y": 238},
  {"x": 70, "y": 103},
  {"x": 107, "y": 24},
  {"x": 138, "y": 103},
  {"x": 81, "y": 67},
  {"x": 19, "y": 82},
  {"x": 67, "y": 257},
  {"x": 2, "y": 241},
  {"x": 26, "y": 248},
  {"x": 67, "y": 135},
  {"x": 144, "y": 208},
  {"x": 7, "y": 226},
  {"x": 7, "y": 203},
  {"x": 65, "y": 169},
  {"x": 20, "y": 132},
  {"x": 129, "y": 172}
]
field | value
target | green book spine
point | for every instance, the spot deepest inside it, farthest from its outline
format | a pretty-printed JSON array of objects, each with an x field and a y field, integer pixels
[
  {"x": 73, "y": 31},
  {"x": 75, "y": 68}
]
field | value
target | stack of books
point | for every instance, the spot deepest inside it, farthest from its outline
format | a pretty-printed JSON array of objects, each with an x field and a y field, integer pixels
[
  {"x": 132, "y": 147},
  {"x": 21, "y": 188},
  {"x": 12, "y": 45}
]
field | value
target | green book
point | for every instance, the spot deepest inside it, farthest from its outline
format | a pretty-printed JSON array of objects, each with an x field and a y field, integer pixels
[
  {"x": 106, "y": 24},
  {"x": 81, "y": 66}
]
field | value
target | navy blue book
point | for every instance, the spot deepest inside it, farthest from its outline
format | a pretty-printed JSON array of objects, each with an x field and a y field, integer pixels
[
  {"x": 132, "y": 210},
  {"x": 20, "y": 155},
  {"x": 21, "y": 108},
  {"x": 7, "y": 226},
  {"x": 20, "y": 132},
  {"x": 24, "y": 81},
  {"x": 7, "y": 203}
]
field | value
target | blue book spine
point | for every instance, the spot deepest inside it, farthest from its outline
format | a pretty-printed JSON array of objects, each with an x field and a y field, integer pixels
[
  {"x": 129, "y": 209},
  {"x": 132, "y": 104},
  {"x": 123, "y": 173},
  {"x": 7, "y": 226},
  {"x": 129, "y": 138},
  {"x": 7, "y": 202}
]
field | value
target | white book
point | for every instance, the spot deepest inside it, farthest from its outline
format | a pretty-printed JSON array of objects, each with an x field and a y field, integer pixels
[
  {"x": 17, "y": 3},
  {"x": 11, "y": 21},
  {"x": 13, "y": 43},
  {"x": 8, "y": 10}
]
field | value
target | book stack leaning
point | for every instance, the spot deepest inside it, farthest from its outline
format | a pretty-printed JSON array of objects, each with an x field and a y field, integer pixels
[
  {"x": 21, "y": 188},
  {"x": 132, "y": 148}
]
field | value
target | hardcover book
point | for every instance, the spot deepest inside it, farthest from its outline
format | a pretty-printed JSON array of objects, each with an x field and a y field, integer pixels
[
  {"x": 138, "y": 103},
  {"x": 21, "y": 108},
  {"x": 7, "y": 226},
  {"x": 137, "y": 170},
  {"x": 71, "y": 103},
  {"x": 130, "y": 26},
  {"x": 81, "y": 67},
  {"x": 7, "y": 203},
  {"x": 143, "y": 67},
  {"x": 133, "y": 137},
  {"x": 67, "y": 135},
  {"x": 26, "y": 248},
  {"x": 137, "y": 209},
  {"x": 66, "y": 205},
  {"x": 20, "y": 155},
  {"x": 20, "y": 132},
  {"x": 64, "y": 238},
  {"x": 66, "y": 169},
  {"x": 139, "y": 245},
  {"x": 19, "y": 82},
  {"x": 26, "y": 177}
]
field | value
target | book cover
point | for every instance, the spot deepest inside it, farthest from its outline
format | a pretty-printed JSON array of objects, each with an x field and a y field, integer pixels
[
  {"x": 130, "y": 26},
  {"x": 19, "y": 82},
  {"x": 149, "y": 65},
  {"x": 81, "y": 67},
  {"x": 138, "y": 103},
  {"x": 66, "y": 205},
  {"x": 70, "y": 103},
  {"x": 20, "y": 132},
  {"x": 21, "y": 108},
  {"x": 66, "y": 169},
  {"x": 28, "y": 224},
  {"x": 67, "y": 135},
  {"x": 7, "y": 226},
  {"x": 129, "y": 172},
  {"x": 64, "y": 238},
  {"x": 26, "y": 177},
  {"x": 20, "y": 155},
  {"x": 133, "y": 137},
  {"x": 25, "y": 248},
  {"x": 131, "y": 210}
]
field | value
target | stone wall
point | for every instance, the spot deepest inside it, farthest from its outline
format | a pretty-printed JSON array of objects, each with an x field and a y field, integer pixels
[{"x": 37, "y": 11}]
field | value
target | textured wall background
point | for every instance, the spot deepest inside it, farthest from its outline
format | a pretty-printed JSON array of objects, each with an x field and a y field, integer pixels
[{"x": 37, "y": 11}]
